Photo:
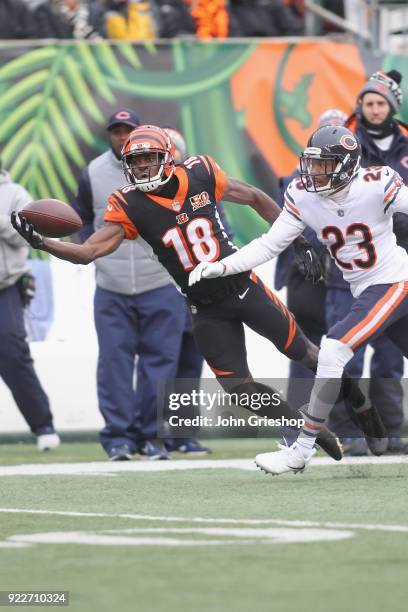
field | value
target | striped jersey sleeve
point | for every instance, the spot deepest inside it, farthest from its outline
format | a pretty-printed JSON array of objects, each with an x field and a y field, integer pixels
[
  {"x": 219, "y": 175},
  {"x": 289, "y": 204},
  {"x": 395, "y": 193},
  {"x": 115, "y": 213}
]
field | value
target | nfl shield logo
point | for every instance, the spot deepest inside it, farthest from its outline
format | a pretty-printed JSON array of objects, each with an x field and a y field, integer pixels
[
  {"x": 176, "y": 206},
  {"x": 340, "y": 213}
]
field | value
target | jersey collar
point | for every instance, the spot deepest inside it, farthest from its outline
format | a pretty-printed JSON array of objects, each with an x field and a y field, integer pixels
[{"x": 170, "y": 203}]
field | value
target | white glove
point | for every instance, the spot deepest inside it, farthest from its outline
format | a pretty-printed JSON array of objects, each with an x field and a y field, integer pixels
[{"x": 206, "y": 269}]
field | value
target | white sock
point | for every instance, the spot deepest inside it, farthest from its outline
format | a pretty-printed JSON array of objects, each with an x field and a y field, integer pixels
[{"x": 306, "y": 444}]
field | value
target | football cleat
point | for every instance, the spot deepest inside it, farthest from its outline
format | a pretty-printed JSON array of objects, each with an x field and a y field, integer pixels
[
  {"x": 287, "y": 459},
  {"x": 374, "y": 431},
  {"x": 120, "y": 453},
  {"x": 330, "y": 443},
  {"x": 187, "y": 446},
  {"x": 153, "y": 450}
]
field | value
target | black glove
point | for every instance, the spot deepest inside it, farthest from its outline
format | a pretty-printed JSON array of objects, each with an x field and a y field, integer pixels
[
  {"x": 26, "y": 230},
  {"x": 308, "y": 261}
]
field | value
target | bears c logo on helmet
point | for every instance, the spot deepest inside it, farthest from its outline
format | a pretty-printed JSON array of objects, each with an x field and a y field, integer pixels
[{"x": 348, "y": 142}]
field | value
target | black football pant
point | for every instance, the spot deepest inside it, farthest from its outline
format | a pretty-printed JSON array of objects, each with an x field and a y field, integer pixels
[
  {"x": 219, "y": 332},
  {"x": 219, "y": 328}
]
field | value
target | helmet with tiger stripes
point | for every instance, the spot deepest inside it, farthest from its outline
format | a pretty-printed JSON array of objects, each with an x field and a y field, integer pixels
[{"x": 148, "y": 157}]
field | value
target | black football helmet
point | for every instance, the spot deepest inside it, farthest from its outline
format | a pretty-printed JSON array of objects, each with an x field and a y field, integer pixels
[{"x": 331, "y": 159}]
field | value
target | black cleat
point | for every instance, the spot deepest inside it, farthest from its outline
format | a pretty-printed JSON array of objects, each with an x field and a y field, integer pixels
[
  {"x": 329, "y": 442},
  {"x": 374, "y": 431}
]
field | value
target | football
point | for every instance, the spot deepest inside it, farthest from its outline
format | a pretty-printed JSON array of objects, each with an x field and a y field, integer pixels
[{"x": 52, "y": 218}]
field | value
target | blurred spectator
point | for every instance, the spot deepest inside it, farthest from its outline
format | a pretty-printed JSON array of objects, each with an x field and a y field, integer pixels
[
  {"x": 16, "y": 291},
  {"x": 265, "y": 18},
  {"x": 16, "y": 20},
  {"x": 66, "y": 19},
  {"x": 296, "y": 6},
  {"x": 175, "y": 19},
  {"x": 211, "y": 18},
  {"x": 131, "y": 19},
  {"x": 32, "y": 4}
]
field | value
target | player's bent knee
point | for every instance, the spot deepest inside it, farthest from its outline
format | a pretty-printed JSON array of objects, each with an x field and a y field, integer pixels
[{"x": 333, "y": 357}]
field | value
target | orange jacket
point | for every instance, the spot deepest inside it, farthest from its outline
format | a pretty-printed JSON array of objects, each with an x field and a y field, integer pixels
[{"x": 211, "y": 17}]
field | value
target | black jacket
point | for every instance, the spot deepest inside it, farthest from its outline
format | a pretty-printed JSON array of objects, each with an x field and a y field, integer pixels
[
  {"x": 263, "y": 18},
  {"x": 396, "y": 157},
  {"x": 174, "y": 18},
  {"x": 16, "y": 20},
  {"x": 50, "y": 23}
]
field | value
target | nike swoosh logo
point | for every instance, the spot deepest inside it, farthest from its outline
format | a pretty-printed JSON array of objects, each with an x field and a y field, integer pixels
[{"x": 241, "y": 296}]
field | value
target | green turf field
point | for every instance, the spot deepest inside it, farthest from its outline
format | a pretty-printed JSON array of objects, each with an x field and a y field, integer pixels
[{"x": 215, "y": 539}]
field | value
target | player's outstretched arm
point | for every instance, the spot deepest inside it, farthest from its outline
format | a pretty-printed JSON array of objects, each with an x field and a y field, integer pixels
[
  {"x": 104, "y": 241},
  {"x": 253, "y": 254},
  {"x": 244, "y": 193},
  {"x": 239, "y": 192}
]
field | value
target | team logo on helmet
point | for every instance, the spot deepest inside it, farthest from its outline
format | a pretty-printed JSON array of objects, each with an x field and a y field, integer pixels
[
  {"x": 348, "y": 142},
  {"x": 330, "y": 161},
  {"x": 139, "y": 145}
]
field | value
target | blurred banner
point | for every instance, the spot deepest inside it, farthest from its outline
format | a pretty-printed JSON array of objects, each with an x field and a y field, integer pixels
[{"x": 251, "y": 105}]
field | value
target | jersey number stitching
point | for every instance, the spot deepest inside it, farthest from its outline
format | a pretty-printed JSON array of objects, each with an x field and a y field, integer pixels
[
  {"x": 200, "y": 235},
  {"x": 365, "y": 245}
]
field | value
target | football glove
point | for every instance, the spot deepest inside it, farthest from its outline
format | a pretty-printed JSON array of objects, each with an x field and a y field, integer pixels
[
  {"x": 308, "y": 261},
  {"x": 206, "y": 269},
  {"x": 26, "y": 286},
  {"x": 26, "y": 230}
]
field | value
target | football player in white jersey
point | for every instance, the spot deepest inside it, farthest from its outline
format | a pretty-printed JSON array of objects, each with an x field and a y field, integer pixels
[{"x": 350, "y": 209}]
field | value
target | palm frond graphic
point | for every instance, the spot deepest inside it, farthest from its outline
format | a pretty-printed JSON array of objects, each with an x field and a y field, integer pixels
[{"x": 48, "y": 100}]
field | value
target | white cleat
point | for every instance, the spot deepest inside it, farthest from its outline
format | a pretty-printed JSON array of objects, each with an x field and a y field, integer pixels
[
  {"x": 46, "y": 442},
  {"x": 287, "y": 459}
]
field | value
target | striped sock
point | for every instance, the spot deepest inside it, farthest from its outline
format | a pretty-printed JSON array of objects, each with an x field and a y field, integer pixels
[{"x": 322, "y": 399}]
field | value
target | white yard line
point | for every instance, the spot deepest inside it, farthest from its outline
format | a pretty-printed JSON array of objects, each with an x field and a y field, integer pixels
[
  {"x": 143, "y": 536},
  {"x": 215, "y": 521},
  {"x": 106, "y": 467}
]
